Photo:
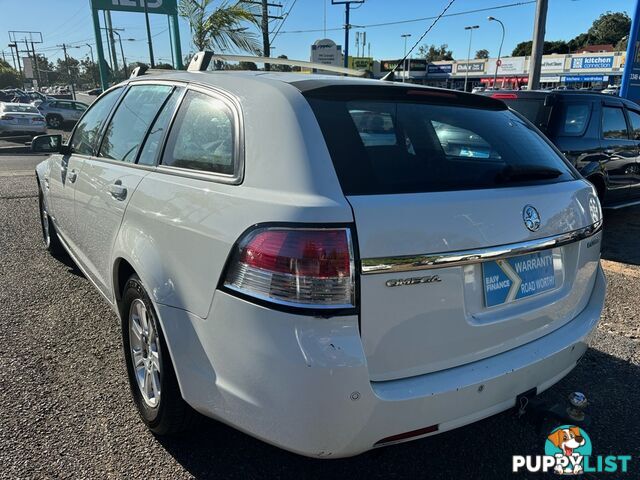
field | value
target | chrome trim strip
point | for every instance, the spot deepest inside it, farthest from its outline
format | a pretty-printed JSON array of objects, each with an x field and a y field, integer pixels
[{"x": 410, "y": 263}]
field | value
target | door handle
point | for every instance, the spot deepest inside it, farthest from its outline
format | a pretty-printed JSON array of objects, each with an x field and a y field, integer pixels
[
  {"x": 72, "y": 175},
  {"x": 117, "y": 191}
]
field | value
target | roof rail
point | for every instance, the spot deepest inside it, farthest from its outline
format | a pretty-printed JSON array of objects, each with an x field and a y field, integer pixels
[
  {"x": 201, "y": 61},
  {"x": 144, "y": 70}
]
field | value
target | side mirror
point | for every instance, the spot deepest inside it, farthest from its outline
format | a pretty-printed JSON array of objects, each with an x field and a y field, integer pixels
[{"x": 48, "y": 144}]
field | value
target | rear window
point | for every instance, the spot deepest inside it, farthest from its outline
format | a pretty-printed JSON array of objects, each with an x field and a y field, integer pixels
[
  {"x": 532, "y": 109},
  {"x": 20, "y": 109},
  {"x": 386, "y": 147}
]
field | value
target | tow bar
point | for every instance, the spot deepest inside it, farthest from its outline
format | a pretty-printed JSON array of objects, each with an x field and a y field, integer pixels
[{"x": 535, "y": 410}]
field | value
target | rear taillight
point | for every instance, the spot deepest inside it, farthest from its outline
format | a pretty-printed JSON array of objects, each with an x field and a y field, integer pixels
[
  {"x": 38, "y": 119},
  {"x": 303, "y": 267},
  {"x": 6, "y": 117},
  {"x": 505, "y": 95}
]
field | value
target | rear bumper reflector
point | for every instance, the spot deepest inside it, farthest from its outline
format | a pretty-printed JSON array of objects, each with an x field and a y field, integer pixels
[{"x": 406, "y": 435}]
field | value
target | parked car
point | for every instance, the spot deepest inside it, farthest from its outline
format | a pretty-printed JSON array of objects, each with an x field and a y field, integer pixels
[
  {"x": 58, "y": 112},
  {"x": 598, "y": 134},
  {"x": 478, "y": 89},
  {"x": 612, "y": 90},
  {"x": 94, "y": 92},
  {"x": 19, "y": 119},
  {"x": 281, "y": 262}
]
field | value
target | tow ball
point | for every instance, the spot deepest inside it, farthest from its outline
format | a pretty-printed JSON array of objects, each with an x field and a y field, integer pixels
[{"x": 536, "y": 411}]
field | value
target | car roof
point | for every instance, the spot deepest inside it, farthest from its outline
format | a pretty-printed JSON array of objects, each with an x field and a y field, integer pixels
[
  {"x": 239, "y": 82},
  {"x": 541, "y": 94}
]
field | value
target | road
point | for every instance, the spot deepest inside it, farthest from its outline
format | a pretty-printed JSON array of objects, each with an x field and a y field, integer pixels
[{"x": 66, "y": 410}]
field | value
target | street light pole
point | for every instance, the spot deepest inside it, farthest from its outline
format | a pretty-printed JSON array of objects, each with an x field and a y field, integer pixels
[
  {"x": 495, "y": 76},
  {"x": 404, "y": 63},
  {"x": 471, "y": 28},
  {"x": 93, "y": 77},
  {"x": 124, "y": 60}
]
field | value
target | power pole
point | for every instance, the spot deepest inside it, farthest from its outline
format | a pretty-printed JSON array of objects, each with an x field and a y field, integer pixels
[
  {"x": 112, "y": 41},
  {"x": 146, "y": 19},
  {"x": 535, "y": 63},
  {"x": 264, "y": 25},
  {"x": 66, "y": 61},
  {"x": 35, "y": 64},
  {"x": 347, "y": 25}
]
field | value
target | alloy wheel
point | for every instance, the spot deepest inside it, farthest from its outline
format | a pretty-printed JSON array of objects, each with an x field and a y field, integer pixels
[{"x": 145, "y": 353}]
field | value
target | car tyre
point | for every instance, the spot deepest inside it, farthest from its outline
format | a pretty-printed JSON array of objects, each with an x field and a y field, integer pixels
[
  {"x": 153, "y": 382},
  {"x": 49, "y": 236},
  {"x": 54, "y": 121}
]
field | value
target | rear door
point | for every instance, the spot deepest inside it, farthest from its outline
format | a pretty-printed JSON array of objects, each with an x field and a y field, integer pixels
[
  {"x": 634, "y": 122},
  {"x": 108, "y": 179},
  {"x": 438, "y": 186},
  {"x": 65, "y": 169},
  {"x": 619, "y": 151}
]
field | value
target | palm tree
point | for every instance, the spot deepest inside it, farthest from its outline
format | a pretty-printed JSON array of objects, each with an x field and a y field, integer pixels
[{"x": 222, "y": 28}]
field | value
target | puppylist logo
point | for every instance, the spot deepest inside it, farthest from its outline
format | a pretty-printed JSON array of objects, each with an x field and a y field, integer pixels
[{"x": 568, "y": 452}]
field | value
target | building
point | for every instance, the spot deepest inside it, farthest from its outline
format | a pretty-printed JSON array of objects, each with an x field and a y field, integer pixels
[{"x": 578, "y": 70}]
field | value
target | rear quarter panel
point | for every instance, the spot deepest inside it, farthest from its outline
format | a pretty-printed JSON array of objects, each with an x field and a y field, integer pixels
[{"x": 178, "y": 231}]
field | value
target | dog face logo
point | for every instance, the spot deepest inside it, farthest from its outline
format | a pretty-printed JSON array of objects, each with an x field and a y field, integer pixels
[{"x": 569, "y": 444}]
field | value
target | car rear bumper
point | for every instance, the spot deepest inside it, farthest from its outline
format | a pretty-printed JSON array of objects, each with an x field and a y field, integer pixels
[
  {"x": 302, "y": 383},
  {"x": 15, "y": 130}
]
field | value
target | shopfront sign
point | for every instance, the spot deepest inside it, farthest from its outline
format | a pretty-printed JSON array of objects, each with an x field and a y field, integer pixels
[
  {"x": 472, "y": 67},
  {"x": 414, "y": 65},
  {"x": 443, "y": 68},
  {"x": 585, "y": 78},
  {"x": 592, "y": 63},
  {"x": 508, "y": 66},
  {"x": 552, "y": 64}
]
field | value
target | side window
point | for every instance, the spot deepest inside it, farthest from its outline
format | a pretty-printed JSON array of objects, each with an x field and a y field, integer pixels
[
  {"x": 132, "y": 119},
  {"x": 88, "y": 128},
  {"x": 613, "y": 123},
  {"x": 80, "y": 106},
  {"x": 576, "y": 118},
  {"x": 158, "y": 130},
  {"x": 65, "y": 105},
  {"x": 635, "y": 124},
  {"x": 202, "y": 137}
]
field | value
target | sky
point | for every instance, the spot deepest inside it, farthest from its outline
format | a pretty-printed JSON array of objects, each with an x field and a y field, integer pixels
[{"x": 69, "y": 22}]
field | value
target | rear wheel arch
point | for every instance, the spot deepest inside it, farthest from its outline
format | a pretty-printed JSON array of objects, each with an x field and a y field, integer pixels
[
  {"x": 122, "y": 271},
  {"x": 601, "y": 186}
]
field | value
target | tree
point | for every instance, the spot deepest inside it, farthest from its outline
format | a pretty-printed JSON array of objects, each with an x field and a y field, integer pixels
[
  {"x": 221, "y": 29},
  {"x": 248, "y": 66},
  {"x": 609, "y": 28},
  {"x": 556, "y": 46},
  {"x": 432, "y": 53},
  {"x": 8, "y": 76},
  {"x": 281, "y": 68},
  {"x": 483, "y": 53},
  {"x": 67, "y": 71}
]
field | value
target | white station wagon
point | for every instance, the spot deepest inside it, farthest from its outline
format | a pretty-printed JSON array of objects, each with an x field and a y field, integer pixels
[{"x": 326, "y": 263}]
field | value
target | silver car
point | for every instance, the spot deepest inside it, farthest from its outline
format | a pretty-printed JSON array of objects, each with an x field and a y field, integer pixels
[
  {"x": 328, "y": 264},
  {"x": 20, "y": 119},
  {"x": 58, "y": 112}
]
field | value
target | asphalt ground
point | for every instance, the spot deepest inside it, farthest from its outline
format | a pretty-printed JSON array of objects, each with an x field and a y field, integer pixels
[{"x": 66, "y": 411}]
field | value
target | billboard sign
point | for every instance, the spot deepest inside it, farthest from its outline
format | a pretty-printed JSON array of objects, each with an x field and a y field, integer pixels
[
  {"x": 166, "y": 7},
  {"x": 592, "y": 63},
  {"x": 440, "y": 69},
  {"x": 472, "y": 67},
  {"x": 27, "y": 65},
  {"x": 508, "y": 66}
]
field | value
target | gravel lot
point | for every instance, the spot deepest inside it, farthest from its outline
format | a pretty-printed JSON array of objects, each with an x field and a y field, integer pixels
[{"x": 66, "y": 412}]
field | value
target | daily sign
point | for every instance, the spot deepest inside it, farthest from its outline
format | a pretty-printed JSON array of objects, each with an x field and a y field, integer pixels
[{"x": 166, "y": 7}]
